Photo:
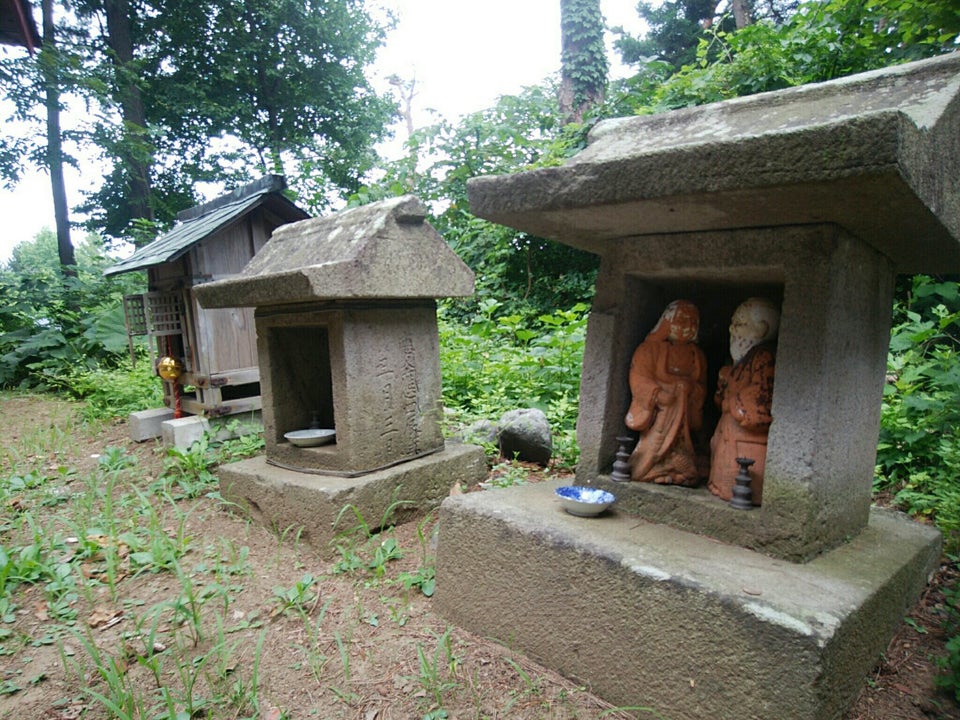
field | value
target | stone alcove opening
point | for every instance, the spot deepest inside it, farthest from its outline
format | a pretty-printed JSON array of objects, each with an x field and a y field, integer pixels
[
  {"x": 368, "y": 370},
  {"x": 833, "y": 292},
  {"x": 716, "y": 299},
  {"x": 302, "y": 368}
]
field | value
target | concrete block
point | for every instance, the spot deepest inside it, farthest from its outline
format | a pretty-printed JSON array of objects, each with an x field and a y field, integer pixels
[
  {"x": 184, "y": 432},
  {"x": 648, "y": 615},
  {"x": 280, "y": 498},
  {"x": 145, "y": 424}
]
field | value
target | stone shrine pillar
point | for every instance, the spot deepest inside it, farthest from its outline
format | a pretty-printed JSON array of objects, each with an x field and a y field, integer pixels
[
  {"x": 814, "y": 198},
  {"x": 348, "y": 346}
]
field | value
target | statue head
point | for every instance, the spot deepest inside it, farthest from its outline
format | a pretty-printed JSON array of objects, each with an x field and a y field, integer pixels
[
  {"x": 680, "y": 322},
  {"x": 755, "y": 321}
]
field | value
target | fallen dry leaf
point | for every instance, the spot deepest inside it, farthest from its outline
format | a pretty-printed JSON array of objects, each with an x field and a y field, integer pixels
[
  {"x": 273, "y": 713},
  {"x": 68, "y": 712},
  {"x": 104, "y": 617}
]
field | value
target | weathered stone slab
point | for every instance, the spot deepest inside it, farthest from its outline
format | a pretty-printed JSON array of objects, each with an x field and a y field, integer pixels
[
  {"x": 876, "y": 153},
  {"x": 279, "y": 498},
  {"x": 184, "y": 432},
  {"x": 647, "y": 615},
  {"x": 384, "y": 250}
]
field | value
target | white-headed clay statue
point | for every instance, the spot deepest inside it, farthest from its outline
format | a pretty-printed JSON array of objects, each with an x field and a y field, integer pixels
[
  {"x": 744, "y": 396},
  {"x": 668, "y": 375}
]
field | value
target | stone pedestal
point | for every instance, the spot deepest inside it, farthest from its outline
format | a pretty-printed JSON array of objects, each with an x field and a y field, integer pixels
[
  {"x": 310, "y": 503},
  {"x": 647, "y": 615}
]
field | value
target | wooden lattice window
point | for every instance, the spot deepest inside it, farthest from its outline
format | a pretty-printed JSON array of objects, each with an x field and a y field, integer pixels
[
  {"x": 164, "y": 313},
  {"x": 135, "y": 315}
]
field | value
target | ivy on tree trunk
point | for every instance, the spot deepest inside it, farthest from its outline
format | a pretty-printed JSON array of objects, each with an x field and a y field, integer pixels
[{"x": 583, "y": 58}]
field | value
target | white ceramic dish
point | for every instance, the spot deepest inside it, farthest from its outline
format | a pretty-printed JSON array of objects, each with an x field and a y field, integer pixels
[
  {"x": 584, "y": 501},
  {"x": 311, "y": 437}
]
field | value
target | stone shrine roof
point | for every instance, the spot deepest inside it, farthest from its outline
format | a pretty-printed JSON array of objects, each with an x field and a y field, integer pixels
[
  {"x": 877, "y": 153},
  {"x": 379, "y": 251}
]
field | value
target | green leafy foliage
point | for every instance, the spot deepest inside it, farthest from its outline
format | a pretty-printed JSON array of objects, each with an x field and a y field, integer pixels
[
  {"x": 675, "y": 28},
  {"x": 55, "y": 329},
  {"x": 918, "y": 457},
  {"x": 211, "y": 91},
  {"x": 297, "y": 598},
  {"x": 502, "y": 362},
  {"x": 818, "y": 41},
  {"x": 529, "y": 275},
  {"x": 949, "y": 679},
  {"x": 583, "y": 58}
]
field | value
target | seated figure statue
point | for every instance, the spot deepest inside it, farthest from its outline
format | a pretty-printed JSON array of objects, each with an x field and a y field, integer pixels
[
  {"x": 744, "y": 396},
  {"x": 668, "y": 375}
]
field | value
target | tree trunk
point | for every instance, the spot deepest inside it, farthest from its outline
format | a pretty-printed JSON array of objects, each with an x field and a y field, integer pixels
[
  {"x": 48, "y": 65},
  {"x": 741, "y": 13},
  {"x": 135, "y": 150},
  {"x": 583, "y": 58}
]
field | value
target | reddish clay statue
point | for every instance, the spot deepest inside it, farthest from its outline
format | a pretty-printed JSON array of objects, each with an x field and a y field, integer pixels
[
  {"x": 744, "y": 396},
  {"x": 668, "y": 375}
]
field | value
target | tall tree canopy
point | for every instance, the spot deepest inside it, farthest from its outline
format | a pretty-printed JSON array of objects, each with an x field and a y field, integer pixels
[
  {"x": 782, "y": 45},
  {"x": 882, "y": 31},
  {"x": 785, "y": 46},
  {"x": 181, "y": 92}
]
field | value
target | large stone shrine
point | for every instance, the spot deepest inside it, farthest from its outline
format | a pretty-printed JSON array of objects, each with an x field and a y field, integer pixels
[
  {"x": 349, "y": 359},
  {"x": 814, "y": 197}
]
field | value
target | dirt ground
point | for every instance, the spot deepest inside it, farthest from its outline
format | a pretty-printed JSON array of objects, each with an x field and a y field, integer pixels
[{"x": 361, "y": 645}]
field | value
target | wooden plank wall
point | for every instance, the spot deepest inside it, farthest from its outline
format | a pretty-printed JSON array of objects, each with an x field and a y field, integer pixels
[{"x": 227, "y": 337}]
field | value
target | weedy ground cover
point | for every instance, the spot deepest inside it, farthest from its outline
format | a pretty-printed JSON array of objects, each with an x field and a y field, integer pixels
[
  {"x": 498, "y": 362},
  {"x": 128, "y": 589}
]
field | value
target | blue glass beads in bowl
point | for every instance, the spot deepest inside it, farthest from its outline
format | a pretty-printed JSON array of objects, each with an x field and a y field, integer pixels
[{"x": 584, "y": 501}]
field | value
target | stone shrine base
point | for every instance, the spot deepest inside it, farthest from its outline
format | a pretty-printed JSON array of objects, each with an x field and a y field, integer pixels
[
  {"x": 310, "y": 504},
  {"x": 649, "y": 616}
]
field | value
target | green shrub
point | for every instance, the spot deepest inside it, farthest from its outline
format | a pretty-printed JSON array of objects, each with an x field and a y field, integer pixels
[
  {"x": 918, "y": 456},
  {"x": 53, "y": 326},
  {"x": 499, "y": 363},
  {"x": 949, "y": 678},
  {"x": 115, "y": 393}
]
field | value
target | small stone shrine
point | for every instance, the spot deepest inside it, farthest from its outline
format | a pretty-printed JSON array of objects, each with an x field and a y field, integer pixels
[
  {"x": 349, "y": 369},
  {"x": 809, "y": 200}
]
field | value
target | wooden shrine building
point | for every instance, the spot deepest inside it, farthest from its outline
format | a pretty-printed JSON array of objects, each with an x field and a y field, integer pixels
[{"x": 216, "y": 348}]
